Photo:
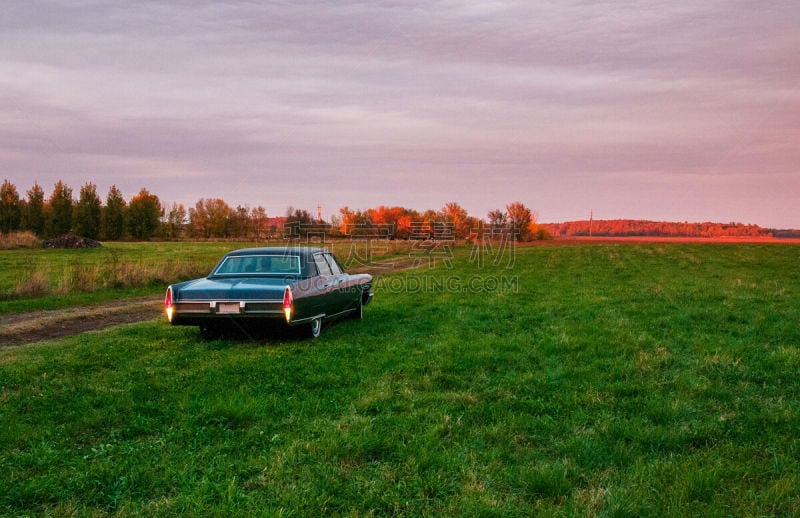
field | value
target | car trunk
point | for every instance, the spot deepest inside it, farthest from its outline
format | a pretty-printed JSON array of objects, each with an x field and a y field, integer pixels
[{"x": 235, "y": 288}]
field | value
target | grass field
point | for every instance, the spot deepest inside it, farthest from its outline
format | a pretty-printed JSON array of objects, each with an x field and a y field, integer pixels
[{"x": 618, "y": 380}]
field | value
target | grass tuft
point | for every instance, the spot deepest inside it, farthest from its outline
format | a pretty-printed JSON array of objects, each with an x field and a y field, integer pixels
[{"x": 31, "y": 284}]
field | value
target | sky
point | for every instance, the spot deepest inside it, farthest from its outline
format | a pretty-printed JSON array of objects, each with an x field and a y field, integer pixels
[{"x": 671, "y": 110}]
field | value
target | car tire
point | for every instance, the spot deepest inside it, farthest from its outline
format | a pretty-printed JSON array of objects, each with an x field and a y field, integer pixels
[{"x": 316, "y": 327}]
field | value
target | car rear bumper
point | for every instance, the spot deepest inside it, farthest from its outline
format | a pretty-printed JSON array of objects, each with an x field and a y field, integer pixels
[{"x": 202, "y": 312}]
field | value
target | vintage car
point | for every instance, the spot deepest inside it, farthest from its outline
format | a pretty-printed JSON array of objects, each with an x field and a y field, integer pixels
[{"x": 255, "y": 287}]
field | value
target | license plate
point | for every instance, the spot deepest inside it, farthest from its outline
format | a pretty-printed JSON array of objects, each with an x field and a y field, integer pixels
[{"x": 228, "y": 307}]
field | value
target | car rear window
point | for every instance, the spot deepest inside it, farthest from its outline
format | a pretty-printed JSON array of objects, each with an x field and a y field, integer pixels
[{"x": 259, "y": 265}]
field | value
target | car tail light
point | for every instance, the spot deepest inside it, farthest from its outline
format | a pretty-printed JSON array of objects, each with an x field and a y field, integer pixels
[
  {"x": 287, "y": 304},
  {"x": 168, "y": 304}
]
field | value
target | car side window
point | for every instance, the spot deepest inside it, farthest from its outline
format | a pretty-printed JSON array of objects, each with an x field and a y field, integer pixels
[
  {"x": 335, "y": 269},
  {"x": 322, "y": 265}
]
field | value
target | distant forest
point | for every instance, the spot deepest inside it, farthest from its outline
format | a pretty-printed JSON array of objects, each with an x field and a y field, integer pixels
[
  {"x": 634, "y": 227},
  {"x": 144, "y": 216}
]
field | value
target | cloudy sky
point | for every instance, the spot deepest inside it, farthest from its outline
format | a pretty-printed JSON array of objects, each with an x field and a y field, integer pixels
[{"x": 673, "y": 110}]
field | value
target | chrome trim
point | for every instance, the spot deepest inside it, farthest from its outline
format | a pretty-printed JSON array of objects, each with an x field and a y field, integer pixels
[
  {"x": 248, "y": 301},
  {"x": 344, "y": 312},
  {"x": 306, "y": 320},
  {"x": 211, "y": 307}
]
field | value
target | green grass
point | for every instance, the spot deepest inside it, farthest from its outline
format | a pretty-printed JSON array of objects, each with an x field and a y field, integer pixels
[{"x": 627, "y": 380}]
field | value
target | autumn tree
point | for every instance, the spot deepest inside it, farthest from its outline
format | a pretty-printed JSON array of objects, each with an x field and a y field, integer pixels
[
  {"x": 427, "y": 228},
  {"x": 86, "y": 213},
  {"x": 454, "y": 214},
  {"x": 114, "y": 215},
  {"x": 144, "y": 215},
  {"x": 59, "y": 210},
  {"x": 33, "y": 216},
  {"x": 176, "y": 220},
  {"x": 405, "y": 224},
  {"x": 239, "y": 221},
  {"x": 497, "y": 220},
  {"x": 300, "y": 223},
  {"x": 519, "y": 220},
  {"x": 301, "y": 216},
  {"x": 335, "y": 225},
  {"x": 196, "y": 225},
  {"x": 210, "y": 217},
  {"x": 347, "y": 220},
  {"x": 258, "y": 222},
  {"x": 398, "y": 219},
  {"x": 10, "y": 208}
]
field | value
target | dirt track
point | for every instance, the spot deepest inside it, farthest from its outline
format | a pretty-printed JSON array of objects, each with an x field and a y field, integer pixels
[{"x": 36, "y": 326}]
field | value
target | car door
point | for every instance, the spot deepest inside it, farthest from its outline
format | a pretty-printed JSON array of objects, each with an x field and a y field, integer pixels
[
  {"x": 344, "y": 296},
  {"x": 325, "y": 284}
]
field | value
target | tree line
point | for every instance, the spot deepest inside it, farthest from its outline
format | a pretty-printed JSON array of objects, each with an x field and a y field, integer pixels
[
  {"x": 144, "y": 217},
  {"x": 630, "y": 227},
  {"x": 88, "y": 216},
  {"x": 451, "y": 221}
]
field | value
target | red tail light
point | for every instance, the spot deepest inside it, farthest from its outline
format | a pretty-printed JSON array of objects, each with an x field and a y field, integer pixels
[
  {"x": 168, "y": 304},
  {"x": 287, "y": 303}
]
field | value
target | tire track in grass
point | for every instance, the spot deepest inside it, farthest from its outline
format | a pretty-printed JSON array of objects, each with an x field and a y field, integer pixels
[{"x": 25, "y": 328}]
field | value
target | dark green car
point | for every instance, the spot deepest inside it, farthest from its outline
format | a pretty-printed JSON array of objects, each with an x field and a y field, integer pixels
[{"x": 260, "y": 286}]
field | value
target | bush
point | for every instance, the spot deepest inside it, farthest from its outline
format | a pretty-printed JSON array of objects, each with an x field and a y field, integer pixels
[{"x": 19, "y": 240}]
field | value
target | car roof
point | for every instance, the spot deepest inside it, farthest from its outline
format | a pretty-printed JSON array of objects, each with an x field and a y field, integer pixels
[{"x": 303, "y": 251}]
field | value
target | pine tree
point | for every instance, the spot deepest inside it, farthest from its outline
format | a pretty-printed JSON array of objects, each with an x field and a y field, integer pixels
[
  {"x": 60, "y": 210},
  {"x": 33, "y": 217},
  {"x": 86, "y": 215},
  {"x": 114, "y": 215},
  {"x": 10, "y": 208}
]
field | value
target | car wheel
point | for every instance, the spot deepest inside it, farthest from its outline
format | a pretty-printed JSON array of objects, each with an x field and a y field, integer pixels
[{"x": 316, "y": 327}]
